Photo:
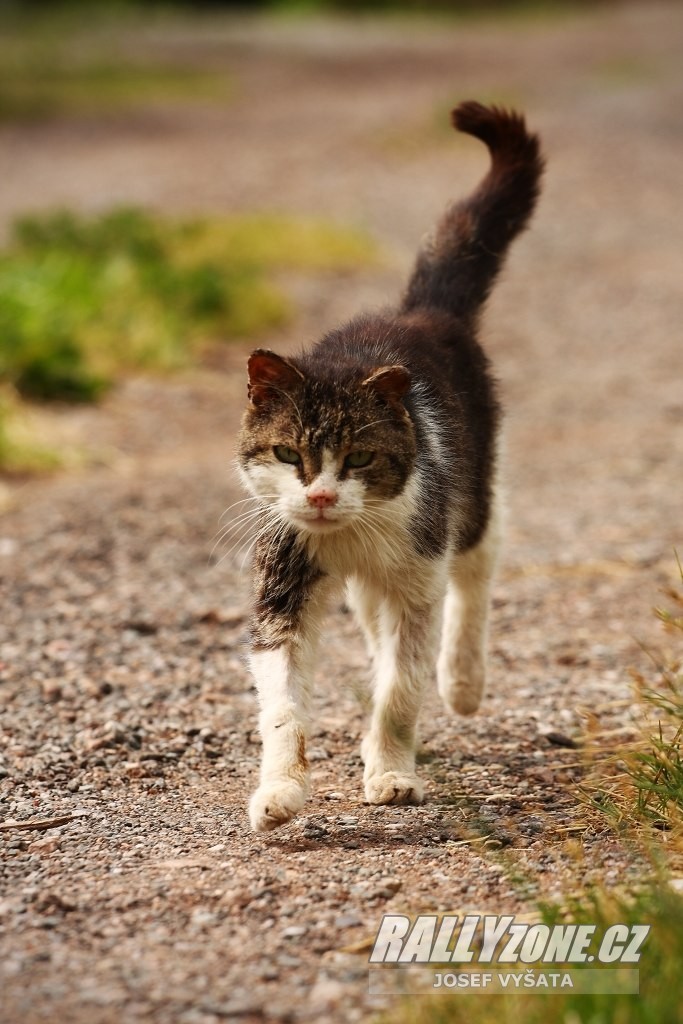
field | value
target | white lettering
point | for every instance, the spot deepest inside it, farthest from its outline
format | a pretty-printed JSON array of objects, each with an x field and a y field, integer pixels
[
  {"x": 462, "y": 952},
  {"x": 492, "y": 934},
  {"x": 535, "y": 942},
  {"x": 418, "y": 945},
  {"x": 631, "y": 953},
  {"x": 612, "y": 945},
  {"x": 389, "y": 940},
  {"x": 584, "y": 935},
  {"x": 440, "y": 951},
  {"x": 510, "y": 950},
  {"x": 559, "y": 943}
]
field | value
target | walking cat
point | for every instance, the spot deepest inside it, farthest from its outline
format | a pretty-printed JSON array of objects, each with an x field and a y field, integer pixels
[{"x": 373, "y": 458}]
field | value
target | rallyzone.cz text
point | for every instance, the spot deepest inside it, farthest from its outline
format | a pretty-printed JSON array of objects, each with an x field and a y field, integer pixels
[{"x": 485, "y": 939}]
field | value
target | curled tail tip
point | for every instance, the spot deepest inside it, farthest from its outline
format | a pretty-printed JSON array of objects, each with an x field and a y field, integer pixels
[
  {"x": 456, "y": 270},
  {"x": 472, "y": 117},
  {"x": 500, "y": 129}
]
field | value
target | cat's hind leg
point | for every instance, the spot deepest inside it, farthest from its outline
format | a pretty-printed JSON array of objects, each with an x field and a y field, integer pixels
[
  {"x": 461, "y": 668},
  {"x": 365, "y": 604}
]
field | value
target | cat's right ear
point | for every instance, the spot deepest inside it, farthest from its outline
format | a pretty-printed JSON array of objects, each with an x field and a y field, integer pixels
[
  {"x": 270, "y": 375},
  {"x": 390, "y": 382}
]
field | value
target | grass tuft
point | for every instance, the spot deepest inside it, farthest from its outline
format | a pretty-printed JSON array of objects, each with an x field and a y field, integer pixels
[{"x": 638, "y": 789}]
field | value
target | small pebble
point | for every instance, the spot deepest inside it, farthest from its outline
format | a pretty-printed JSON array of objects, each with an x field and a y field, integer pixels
[{"x": 347, "y": 921}]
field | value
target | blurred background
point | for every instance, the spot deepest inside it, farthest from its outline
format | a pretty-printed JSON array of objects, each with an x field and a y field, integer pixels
[{"x": 179, "y": 176}]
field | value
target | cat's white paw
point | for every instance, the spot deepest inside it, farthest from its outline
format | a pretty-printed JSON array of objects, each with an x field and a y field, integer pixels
[
  {"x": 394, "y": 788},
  {"x": 275, "y": 803}
]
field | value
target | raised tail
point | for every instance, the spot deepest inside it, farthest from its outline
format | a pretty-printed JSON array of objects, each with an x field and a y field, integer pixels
[{"x": 457, "y": 268}]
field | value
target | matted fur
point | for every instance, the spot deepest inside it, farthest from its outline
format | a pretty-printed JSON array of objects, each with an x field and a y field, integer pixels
[{"x": 373, "y": 459}]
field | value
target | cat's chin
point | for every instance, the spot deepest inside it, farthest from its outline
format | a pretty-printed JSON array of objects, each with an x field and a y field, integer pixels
[{"x": 317, "y": 526}]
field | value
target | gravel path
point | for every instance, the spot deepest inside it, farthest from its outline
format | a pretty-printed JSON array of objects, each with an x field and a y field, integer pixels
[{"x": 128, "y": 717}]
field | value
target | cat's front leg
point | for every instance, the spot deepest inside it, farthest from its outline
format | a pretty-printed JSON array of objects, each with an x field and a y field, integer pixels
[
  {"x": 283, "y": 722},
  {"x": 290, "y": 599},
  {"x": 403, "y": 665}
]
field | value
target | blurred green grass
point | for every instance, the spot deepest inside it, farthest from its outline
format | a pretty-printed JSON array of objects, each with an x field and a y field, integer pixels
[
  {"x": 83, "y": 300},
  {"x": 40, "y": 88},
  {"x": 71, "y": 60}
]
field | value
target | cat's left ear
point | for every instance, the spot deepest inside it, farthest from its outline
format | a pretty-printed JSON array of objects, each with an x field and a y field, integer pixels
[
  {"x": 270, "y": 375},
  {"x": 390, "y": 382}
]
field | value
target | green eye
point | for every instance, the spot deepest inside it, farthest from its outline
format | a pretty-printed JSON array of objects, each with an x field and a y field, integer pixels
[
  {"x": 288, "y": 455},
  {"x": 357, "y": 460}
]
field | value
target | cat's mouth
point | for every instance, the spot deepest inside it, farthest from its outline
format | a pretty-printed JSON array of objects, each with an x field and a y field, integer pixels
[{"x": 320, "y": 523}]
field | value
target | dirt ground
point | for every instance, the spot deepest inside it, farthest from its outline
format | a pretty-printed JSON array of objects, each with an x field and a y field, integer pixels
[{"x": 126, "y": 708}]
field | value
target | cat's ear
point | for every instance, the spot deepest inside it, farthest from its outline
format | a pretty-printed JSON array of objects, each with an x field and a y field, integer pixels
[
  {"x": 390, "y": 382},
  {"x": 269, "y": 375}
]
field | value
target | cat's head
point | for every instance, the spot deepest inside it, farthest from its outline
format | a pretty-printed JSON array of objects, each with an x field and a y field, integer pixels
[{"x": 324, "y": 448}]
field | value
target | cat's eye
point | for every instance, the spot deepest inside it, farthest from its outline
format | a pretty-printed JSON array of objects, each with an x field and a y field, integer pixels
[
  {"x": 288, "y": 455},
  {"x": 357, "y": 460}
]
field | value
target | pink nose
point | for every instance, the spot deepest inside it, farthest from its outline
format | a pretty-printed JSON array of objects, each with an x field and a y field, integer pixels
[{"x": 322, "y": 498}]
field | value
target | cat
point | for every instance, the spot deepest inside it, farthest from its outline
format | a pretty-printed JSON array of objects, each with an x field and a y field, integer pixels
[{"x": 373, "y": 457}]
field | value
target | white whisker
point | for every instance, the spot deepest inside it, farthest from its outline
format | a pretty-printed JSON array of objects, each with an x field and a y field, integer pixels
[
  {"x": 243, "y": 501},
  {"x": 246, "y": 520}
]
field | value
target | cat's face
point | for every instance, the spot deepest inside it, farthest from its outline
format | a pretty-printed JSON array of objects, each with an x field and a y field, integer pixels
[{"x": 325, "y": 454}]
